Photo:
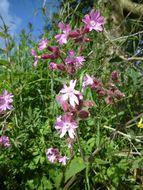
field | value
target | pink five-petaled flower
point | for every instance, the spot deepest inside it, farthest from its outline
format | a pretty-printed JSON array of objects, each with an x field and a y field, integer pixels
[
  {"x": 63, "y": 160},
  {"x": 94, "y": 21},
  {"x": 70, "y": 94},
  {"x": 42, "y": 44},
  {"x": 75, "y": 60},
  {"x": 4, "y": 141},
  {"x": 66, "y": 124},
  {"x": 88, "y": 81},
  {"x": 5, "y": 101},
  {"x": 62, "y": 38}
]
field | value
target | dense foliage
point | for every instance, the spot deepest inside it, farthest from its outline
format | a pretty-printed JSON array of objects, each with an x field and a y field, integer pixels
[{"x": 105, "y": 150}]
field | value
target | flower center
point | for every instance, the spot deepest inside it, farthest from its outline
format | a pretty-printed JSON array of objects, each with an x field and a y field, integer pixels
[
  {"x": 67, "y": 125},
  {"x": 70, "y": 91},
  {"x": 92, "y": 23}
]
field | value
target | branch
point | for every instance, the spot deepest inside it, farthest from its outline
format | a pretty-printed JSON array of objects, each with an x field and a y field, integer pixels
[
  {"x": 135, "y": 8},
  {"x": 123, "y": 134}
]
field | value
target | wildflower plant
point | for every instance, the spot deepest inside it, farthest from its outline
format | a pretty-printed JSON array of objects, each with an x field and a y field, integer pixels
[{"x": 70, "y": 99}]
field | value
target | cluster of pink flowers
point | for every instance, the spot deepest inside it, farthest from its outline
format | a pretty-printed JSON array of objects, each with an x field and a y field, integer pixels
[
  {"x": 53, "y": 156},
  {"x": 112, "y": 93},
  {"x": 93, "y": 21},
  {"x": 74, "y": 108},
  {"x": 70, "y": 99},
  {"x": 66, "y": 29},
  {"x": 4, "y": 141},
  {"x": 94, "y": 83},
  {"x": 43, "y": 44},
  {"x": 6, "y": 100},
  {"x": 71, "y": 65}
]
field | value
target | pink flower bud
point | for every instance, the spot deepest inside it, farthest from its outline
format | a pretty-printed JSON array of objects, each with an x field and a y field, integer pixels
[
  {"x": 53, "y": 49},
  {"x": 109, "y": 100},
  {"x": 115, "y": 76},
  {"x": 61, "y": 67},
  {"x": 83, "y": 114},
  {"x": 119, "y": 94},
  {"x": 73, "y": 34},
  {"x": 89, "y": 103}
]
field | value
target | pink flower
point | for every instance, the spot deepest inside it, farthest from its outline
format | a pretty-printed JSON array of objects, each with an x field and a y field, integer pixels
[
  {"x": 52, "y": 158},
  {"x": 70, "y": 94},
  {"x": 33, "y": 52},
  {"x": 5, "y": 101},
  {"x": 53, "y": 66},
  {"x": 52, "y": 154},
  {"x": 62, "y": 38},
  {"x": 64, "y": 27},
  {"x": 42, "y": 44},
  {"x": 49, "y": 151},
  {"x": 63, "y": 160},
  {"x": 66, "y": 124},
  {"x": 94, "y": 21},
  {"x": 75, "y": 60},
  {"x": 4, "y": 141},
  {"x": 88, "y": 81}
]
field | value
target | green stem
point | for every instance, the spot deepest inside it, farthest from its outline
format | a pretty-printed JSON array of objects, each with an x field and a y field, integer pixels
[
  {"x": 79, "y": 145},
  {"x": 87, "y": 178}
]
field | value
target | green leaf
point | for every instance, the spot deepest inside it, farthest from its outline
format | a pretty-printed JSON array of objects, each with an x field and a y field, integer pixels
[
  {"x": 46, "y": 183},
  {"x": 75, "y": 166},
  {"x": 55, "y": 175},
  {"x": 30, "y": 184}
]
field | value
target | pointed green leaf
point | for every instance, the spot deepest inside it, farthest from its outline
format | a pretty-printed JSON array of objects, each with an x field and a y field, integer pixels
[{"x": 75, "y": 166}]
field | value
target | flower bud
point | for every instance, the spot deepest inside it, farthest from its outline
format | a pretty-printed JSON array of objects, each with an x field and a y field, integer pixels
[
  {"x": 115, "y": 76},
  {"x": 83, "y": 114}
]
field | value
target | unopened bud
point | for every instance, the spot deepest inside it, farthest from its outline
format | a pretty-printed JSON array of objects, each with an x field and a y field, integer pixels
[{"x": 83, "y": 114}]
